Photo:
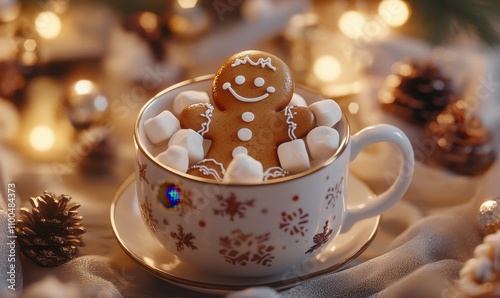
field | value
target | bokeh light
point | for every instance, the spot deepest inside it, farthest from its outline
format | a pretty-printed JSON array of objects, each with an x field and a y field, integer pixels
[
  {"x": 42, "y": 138},
  {"x": 353, "y": 108},
  {"x": 84, "y": 87},
  {"x": 100, "y": 103},
  {"x": 327, "y": 68},
  {"x": 351, "y": 23},
  {"x": 394, "y": 12},
  {"x": 149, "y": 21},
  {"x": 187, "y": 3},
  {"x": 48, "y": 25}
]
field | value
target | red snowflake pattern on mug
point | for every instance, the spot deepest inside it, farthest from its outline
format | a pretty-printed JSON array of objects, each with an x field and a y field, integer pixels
[
  {"x": 294, "y": 222},
  {"x": 320, "y": 238},
  {"x": 183, "y": 239},
  {"x": 241, "y": 248},
  {"x": 232, "y": 207},
  {"x": 147, "y": 215},
  {"x": 143, "y": 169},
  {"x": 334, "y": 193}
]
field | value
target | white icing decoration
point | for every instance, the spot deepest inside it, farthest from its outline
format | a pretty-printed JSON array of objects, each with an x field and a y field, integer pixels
[
  {"x": 227, "y": 85},
  {"x": 274, "y": 172},
  {"x": 262, "y": 62},
  {"x": 239, "y": 150},
  {"x": 259, "y": 82},
  {"x": 209, "y": 171},
  {"x": 205, "y": 126},
  {"x": 239, "y": 80},
  {"x": 270, "y": 89},
  {"x": 291, "y": 125},
  {"x": 248, "y": 116},
  {"x": 244, "y": 134}
]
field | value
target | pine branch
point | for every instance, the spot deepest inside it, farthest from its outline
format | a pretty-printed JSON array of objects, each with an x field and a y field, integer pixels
[{"x": 440, "y": 20}]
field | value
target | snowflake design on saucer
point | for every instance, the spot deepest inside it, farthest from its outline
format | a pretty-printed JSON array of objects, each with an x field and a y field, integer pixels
[
  {"x": 147, "y": 215},
  {"x": 294, "y": 222},
  {"x": 241, "y": 248},
  {"x": 232, "y": 207},
  {"x": 143, "y": 168},
  {"x": 334, "y": 193},
  {"x": 183, "y": 239},
  {"x": 320, "y": 238}
]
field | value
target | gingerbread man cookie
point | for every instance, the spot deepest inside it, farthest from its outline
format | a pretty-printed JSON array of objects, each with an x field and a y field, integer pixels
[{"x": 249, "y": 115}]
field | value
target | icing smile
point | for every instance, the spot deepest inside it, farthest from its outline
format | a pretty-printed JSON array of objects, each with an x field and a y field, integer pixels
[{"x": 227, "y": 86}]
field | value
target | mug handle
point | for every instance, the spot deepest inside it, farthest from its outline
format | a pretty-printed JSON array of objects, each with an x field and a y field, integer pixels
[{"x": 379, "y": 203}]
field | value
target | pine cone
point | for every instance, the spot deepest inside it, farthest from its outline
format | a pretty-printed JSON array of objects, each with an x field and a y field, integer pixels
[
  {"x": 51, "y": 232},
  {"x": 463, "y": 144},
  {"x": 417, "y": 93}
]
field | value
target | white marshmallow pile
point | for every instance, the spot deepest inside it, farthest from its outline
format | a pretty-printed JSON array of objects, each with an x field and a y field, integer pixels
[
  {"x": 186, "y": 147},
  {"x": 322, "y": 141}
]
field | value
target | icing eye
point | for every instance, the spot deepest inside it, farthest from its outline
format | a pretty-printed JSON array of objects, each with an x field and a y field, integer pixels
[
  {"x": 239, "y": 80},
  {"x": 259, "y": 82}
]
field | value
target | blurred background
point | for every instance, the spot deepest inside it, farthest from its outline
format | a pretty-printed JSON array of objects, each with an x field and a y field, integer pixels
[
  {"x": 75, "y": 73},
  {"x": 68, "y": 67}
]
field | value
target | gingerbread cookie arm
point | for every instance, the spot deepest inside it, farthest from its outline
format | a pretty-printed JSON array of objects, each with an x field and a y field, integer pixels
[
  {"x": 300, "y": 120},
  {"x": 197, "y": 117}
]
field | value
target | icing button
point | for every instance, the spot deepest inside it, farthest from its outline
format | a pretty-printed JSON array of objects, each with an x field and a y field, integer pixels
[
  {"x": 248, "y": 116},
  {"x": 239, "y": 150},
  {"x": 244, "y": 134}
]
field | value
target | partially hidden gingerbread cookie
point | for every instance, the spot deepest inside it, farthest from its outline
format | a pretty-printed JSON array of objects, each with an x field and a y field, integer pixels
[{"x": 249, "y": 115}]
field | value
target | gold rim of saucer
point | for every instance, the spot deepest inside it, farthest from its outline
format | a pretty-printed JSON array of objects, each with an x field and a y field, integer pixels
[
  {"x": 224, "y": 288},
  {"x": 140, "y": 146}
]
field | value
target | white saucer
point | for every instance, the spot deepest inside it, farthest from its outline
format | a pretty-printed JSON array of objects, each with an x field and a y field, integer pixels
[{"x": 138, "y": 242}]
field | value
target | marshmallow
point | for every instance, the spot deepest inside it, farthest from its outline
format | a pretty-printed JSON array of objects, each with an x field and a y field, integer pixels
[
  {"x": 327, "y": 112},
  {"x": 322, "y": 142},
  {"x": 297, "y": 101},
  {"x": 175, "y": 157},
  {"x": 191, "y": 141},
  {"x": 186, "y": 98},
  {"x": 293, "y": 156},
  {"x": 161, "y": 127},
  {"x": 244, "y": 169}
]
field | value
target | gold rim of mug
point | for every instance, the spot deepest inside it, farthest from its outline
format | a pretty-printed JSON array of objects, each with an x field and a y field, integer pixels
[{"x": 140, "y": 146}]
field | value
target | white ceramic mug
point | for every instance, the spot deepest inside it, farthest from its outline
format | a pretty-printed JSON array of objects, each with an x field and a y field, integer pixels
[{"x": 261, "y": 229}]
